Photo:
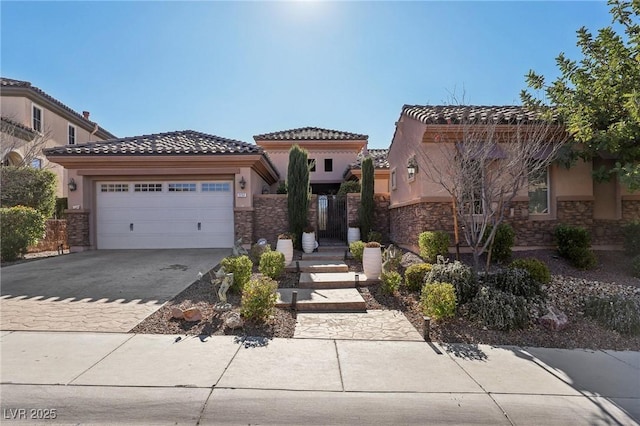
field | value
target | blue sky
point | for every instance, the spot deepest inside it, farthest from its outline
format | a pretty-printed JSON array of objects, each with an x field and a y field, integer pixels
[{"x": 237, "y": 69}]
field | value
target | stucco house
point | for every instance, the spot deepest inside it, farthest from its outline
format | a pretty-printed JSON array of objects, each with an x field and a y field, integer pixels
[
  {"x": 381, "y": 170},
  {"x": 562, "y": 195},
  {"x": 32, "y": 119}
]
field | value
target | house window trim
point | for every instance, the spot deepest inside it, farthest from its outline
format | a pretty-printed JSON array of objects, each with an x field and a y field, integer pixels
[
  {"x": 75, "y": 134},
  {"x": 330, "y": 163},
  {"x": 35, "y": 106},
  {"x": 549, "y": 213},
  {"x": 39, "y": 161},
  {"x": 393, "y": 179}
]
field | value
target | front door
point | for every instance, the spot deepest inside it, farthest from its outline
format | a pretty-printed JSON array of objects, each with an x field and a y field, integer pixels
[{"x": 332, "y": 218}]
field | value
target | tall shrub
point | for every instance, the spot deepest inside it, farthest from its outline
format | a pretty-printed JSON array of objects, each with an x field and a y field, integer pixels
[
  {"x": 26, "y": 186},
  {"x": 298, "y": 191},
  {"x": 366, "y": 197},
  {"x": 20, "y": 227}
]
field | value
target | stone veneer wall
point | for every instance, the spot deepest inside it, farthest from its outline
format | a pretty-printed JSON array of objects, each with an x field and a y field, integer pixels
[
  {"x": 56, "y": 234},
  {"x": 407, "y": 222},
  {"x": 243, "y": 220},
  {"x": 381, "y": 214},
  {"x": 270, "y": 216},
  {"x": 78, "y": 229}
]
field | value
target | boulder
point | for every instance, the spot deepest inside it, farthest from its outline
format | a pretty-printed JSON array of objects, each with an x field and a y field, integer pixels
[
  {"x": 192, "y": 314},
  {"x": 234, "y": 321},
  {"x": 554, "y": 319},
  {"x": 176, "y": 313}
]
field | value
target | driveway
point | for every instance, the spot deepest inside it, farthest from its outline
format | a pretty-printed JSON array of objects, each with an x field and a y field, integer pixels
[{"x": 100, "y": 290}]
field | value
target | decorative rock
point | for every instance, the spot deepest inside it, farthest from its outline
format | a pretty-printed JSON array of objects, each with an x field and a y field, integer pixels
[
  {"x": 234, "y": 321},
  {"x": 554, "y": 320},
  {"x": 192, "y": 314},
  {"x": 176, "y": 313}
]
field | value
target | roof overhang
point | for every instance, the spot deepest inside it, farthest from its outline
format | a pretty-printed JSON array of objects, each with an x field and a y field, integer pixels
[{"x": 315, "y": 145}]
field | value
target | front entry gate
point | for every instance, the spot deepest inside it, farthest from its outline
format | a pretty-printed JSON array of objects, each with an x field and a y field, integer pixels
[{"x": 332, "y": 218}]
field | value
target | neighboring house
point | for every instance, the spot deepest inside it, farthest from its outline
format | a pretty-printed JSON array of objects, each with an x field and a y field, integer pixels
[
  {"x": 182, "y": 189},
  {"x": 32, "y": 119},
  {"x": 562, "y": 195},
  {"x": 381, "y": 170}
]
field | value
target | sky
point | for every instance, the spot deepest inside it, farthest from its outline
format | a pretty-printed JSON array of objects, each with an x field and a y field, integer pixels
[{"x": 239, "y": 69}]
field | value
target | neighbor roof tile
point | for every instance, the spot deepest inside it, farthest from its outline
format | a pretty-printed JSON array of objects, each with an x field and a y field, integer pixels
[
  {"x": 447, "y": 114},
  {"x": 310, "y": 133}
]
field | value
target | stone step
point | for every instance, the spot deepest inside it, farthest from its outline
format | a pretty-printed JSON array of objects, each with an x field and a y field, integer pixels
[
  {"x": 317, "y": 266},
  {"x": 325, "y": 247},
  {"x": 324, "y": 255},
  {"x": 334, "y": 280},
  {"x": 323, "y": 300}
]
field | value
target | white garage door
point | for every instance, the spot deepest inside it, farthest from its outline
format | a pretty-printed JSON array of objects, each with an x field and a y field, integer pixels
[{"x": 141, "y": 215}]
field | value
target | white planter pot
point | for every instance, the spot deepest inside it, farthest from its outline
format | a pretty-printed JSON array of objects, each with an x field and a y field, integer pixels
[
  {"x": 353, "y": 234},
  {"x": 308, "y": 242},
  {"x": 285, "y": 247},
  {"x": 372, "y": 262}
]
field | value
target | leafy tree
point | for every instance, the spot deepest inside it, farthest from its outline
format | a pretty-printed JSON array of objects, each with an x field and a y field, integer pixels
[
  {"x": 366, "y": 196},
  {"x": 598, "y": 97},
  {"x": 298, "y": 191},
  {"x": 24, "y": 186}
]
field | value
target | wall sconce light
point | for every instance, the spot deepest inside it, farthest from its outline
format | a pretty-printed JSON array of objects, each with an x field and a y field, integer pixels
[
  {"x": 242, "y": 182},
  {"x": 412, "y": 167},
  {"x": 72, "y": 185}
]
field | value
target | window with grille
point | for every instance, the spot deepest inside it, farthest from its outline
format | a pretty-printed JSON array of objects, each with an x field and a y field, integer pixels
[
  {"x": 71, "y": 135},
  {"x": 216, "y": 187},
  {"x": 114, "y": 187},
  {"x": 36, "y": 116},
  {"x": 147, "y": 187},
  {"x": 182, "y": 187}
]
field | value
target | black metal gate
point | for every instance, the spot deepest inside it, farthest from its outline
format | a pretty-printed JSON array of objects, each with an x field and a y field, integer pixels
[{"x": 332, "y": 217}]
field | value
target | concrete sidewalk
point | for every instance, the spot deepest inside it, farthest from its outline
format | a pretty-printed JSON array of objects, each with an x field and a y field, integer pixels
[{"x": 93, "y": 378}]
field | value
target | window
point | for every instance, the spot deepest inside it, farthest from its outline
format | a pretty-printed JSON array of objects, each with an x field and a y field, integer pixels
[
  {"x": 71, "y": 140},
  {"x": 393, "y": 181},
  {"x": 36, "y": 116},
  {"x": 182, "y": 187},
  {"x": 328, "y": 165},
  {"x": 216, "y": 187},
  {"x": 539, "y": 192},
  {"x": 36, "y": 163},
  {"x": 114, "y": 187},
  {"x": 312, "y": 164},
  {"x": 147, "y": 187}
]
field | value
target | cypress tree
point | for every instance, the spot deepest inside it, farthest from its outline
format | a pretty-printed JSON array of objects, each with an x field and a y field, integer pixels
[
  {"x": 298, "y": 192},
  {"x": 366, "y": 198}
]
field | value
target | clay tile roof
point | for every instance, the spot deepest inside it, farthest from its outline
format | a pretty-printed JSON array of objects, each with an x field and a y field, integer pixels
[
  {"x": 185, "y": 142},
  {"x": 379, "y": 159},
  {"x": 9, "y": 123},
  {"x": 11, "y": 83},
  {"x": 447, "y": 114},
  {"x": 310, "y": 133}
]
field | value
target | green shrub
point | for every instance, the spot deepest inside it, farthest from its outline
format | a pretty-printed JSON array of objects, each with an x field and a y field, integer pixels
[
  {"x": 631, "y": 232},
  {"x": 433, "y": 244},
  {"x": 635, "y": 266},
  {"x": 615, "y": 313},
  {"x": 375, "y": 236},
  {"x": 518, "y": 282},
  {"x": 282, "y": 188},
  {"x": 438, "y": 300},
  {"x": 349, "y": 187},
  {"x": 458, "y": 274},
  {"x": 271, "y": 264},
  {"x": 20, "y": 227},
  {"x": 537, "y": 268},
  {"x": 367, "y": 204},
  {"x": 297, "y": 192},
  {"x": 499, "y": 310},
  {"x": 258, "y": 299},
  {"x": 241, "y": 267},
  {"x": 26, "y": 186},
  {"x": 574, "y": 245},
  {"x": 257, "y": 250},
  {"x": 582, "y": 258},
  {"x": 503, "y": 242},
  {"x": 415, "y": 275},
  {"x": 390, "y": 282},
  {"x": 62, "y": 204},
  {"x": 357, "y": 249}
]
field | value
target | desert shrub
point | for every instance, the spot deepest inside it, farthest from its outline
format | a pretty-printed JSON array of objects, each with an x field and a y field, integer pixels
[
  {"x": 390, "y": 282},
  {"x": 20, "y": 227},
  {"x": 375, "y": 236},
  {"x": 415, "y": 276},
  {"x": 26, "y": 186},
  {"x": 257, "y": 250},
  {"x": 241, "y": 267},
  {"x": 271, "y": 264},
  {"x": 62, "y": 204},
  {"x": 635, "y": 266},
  {"x": 258, "y": 298},
  {"x": 349, "y": 187},
  {"x": 518, "y": 282},
  {"x": 438, "y": 300},
  {"x": 503, "y": 242},
  {"x": 499, "y": 310},
  {"x": 433, "y": 244},
  {"x": 357, "y": 249},
  {"x": 537, "y": 268},
  {"x": 458, "y": 274},
  {"x": 574, "y": 245},
  {"x": 631, "y": 232},
  {"x": 615, "y": 313}
]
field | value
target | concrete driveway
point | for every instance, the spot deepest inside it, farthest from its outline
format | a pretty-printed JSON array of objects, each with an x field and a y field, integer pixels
[{"x": 100, "y": 290}]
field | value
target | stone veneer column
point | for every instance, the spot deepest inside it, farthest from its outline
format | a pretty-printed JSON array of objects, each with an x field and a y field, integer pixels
[
  {"x": 78, "y": 229},
  {"x": 243, "y": 221}
]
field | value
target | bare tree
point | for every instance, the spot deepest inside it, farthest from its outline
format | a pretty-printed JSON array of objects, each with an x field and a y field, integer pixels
[
  {"x": 19, "y": 144},
  {"x": 483, "y": 162}
]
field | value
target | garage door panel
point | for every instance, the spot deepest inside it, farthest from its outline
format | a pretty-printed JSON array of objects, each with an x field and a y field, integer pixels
[{"x": 165, "y": 219}]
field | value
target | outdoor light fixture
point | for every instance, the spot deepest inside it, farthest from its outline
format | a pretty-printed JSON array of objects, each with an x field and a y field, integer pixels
[
  {"x": 242, "y": 182},
  {"x": 72, "y": 185},
  {"x": 412, "y": 167}
]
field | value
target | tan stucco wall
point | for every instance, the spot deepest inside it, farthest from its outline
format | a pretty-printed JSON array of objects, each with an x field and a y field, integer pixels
[{"x": 341, "y": 161}]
